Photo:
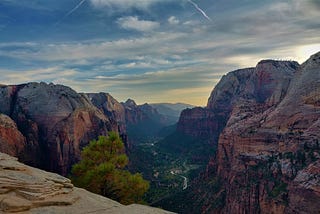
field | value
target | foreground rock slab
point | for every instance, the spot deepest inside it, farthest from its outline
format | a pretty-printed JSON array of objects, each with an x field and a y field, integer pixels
[{"x": 25, "y": 189}]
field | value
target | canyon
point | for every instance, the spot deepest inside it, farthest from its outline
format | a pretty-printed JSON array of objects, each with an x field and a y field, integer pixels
[
  {"x": 258, "y": 134},
  {"x": 47, "y": 125}
]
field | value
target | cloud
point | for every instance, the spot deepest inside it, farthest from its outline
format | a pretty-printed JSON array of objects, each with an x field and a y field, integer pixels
[
  {"x": 185, "y": 83},
  {"x": 134, "y": 23},
  {"x": 171, "y": 54},
  {"x": 125, "y": 4},
  {"x": 118, "y": 49},
  {"x": 173, "y": 20},
  {"x": 41, "y": 74}
]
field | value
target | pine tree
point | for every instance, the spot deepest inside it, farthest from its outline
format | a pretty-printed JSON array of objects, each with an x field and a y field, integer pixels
[{"x": 101, "y": 170}]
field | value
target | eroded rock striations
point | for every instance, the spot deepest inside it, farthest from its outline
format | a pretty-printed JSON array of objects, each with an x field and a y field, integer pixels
[{"x": 25, "y": 189}]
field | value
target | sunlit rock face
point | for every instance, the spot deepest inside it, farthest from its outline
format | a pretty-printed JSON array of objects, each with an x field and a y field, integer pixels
[
  {"x": 28, "y": 190},
  {"x": 264, "y": 86}
]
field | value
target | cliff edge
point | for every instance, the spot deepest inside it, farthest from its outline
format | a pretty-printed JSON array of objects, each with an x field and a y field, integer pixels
[{"x": 25, "y": 189}]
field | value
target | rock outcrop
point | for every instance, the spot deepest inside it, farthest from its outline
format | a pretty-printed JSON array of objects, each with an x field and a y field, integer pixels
[
  {"x": 268, "y": 142},
  {"x": 207, "y": 123},
  {"x": 55, "y": 121},
  {"x": 28, "y": 190},
  {"x": 268, "y": 151}
]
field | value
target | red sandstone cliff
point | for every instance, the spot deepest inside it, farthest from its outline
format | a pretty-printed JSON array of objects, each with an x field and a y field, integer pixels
[
  {"x": 55, "y": 121},
  {"x": 268, "y": 141},
  {"x": 268, "y": 152}
]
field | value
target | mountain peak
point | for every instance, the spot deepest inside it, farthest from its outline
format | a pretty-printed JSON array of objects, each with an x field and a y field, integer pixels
[
  {"x": 130, "y": 103},
  {"x": 313, "y": 61},
  {"x": 278, "y": 64}
]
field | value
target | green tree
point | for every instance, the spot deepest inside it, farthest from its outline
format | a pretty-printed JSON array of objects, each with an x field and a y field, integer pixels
[{"x": 101, "y": 170}]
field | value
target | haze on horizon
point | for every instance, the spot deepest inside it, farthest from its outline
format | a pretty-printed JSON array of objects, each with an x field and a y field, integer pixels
[{"x": 150, "y": 50}]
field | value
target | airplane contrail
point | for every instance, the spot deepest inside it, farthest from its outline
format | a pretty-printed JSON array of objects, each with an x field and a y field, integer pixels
[
  {"x": 74, "y": 9},
  {"x": 199, "y": 9},
  {"x": 71, "y": 11}
]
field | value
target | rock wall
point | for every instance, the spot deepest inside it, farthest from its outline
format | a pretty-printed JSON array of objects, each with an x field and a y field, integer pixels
[
  {"x": 270, "y": 143},
  {"x": 265, "y": 122},
  {"x": 208, "y": 122},
  {"x": 268, "y": 153}
]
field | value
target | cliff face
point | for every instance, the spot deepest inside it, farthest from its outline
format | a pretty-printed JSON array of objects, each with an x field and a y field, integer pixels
[
  {"x": 29, "y": 190},
  {"x": 208, "y": 122},
  {"x": 265, "y": 121},
  {"x": 55, "y": 121},
  {"x": 113, "y": 110},
  {"x": 268, "y": 152},
  {"x": 271, "y": 140}
]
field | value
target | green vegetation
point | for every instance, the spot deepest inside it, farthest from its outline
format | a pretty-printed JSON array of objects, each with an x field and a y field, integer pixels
[
  {"x": 164, "y": 162},
  {"x": 101, "y": 171},
  {"x": 280, "y": 188}
]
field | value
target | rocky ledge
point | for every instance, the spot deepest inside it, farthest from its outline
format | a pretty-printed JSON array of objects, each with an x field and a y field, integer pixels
[{"x": 25, "y": 189}]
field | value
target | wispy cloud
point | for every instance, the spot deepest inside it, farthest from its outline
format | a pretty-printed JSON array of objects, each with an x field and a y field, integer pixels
[
  {"x": 125, "y": 4},
  {"x": 134, "y": 23},
  {"x": 173, "y": 20},
  {"x": 49, "y": 74}
]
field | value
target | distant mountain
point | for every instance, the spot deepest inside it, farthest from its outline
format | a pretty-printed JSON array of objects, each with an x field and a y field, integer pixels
[
  {"x": 151, "y": 121},
  {"x": 171, "y": 110},
  {"x": 143, "y": 122}
]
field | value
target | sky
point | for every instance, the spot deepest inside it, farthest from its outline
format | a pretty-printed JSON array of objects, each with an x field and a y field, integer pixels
[{"x": 150, "y": 50}]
